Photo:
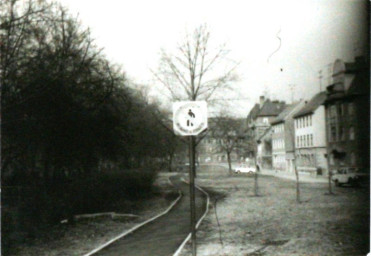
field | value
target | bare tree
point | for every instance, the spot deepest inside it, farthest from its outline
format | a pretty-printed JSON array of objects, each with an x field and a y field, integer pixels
[
  {"x": 256, "y": 186},
  {"x": 226, "y": 131},
  {"x": 195, "y": 71},
  {"x": 291, "y": 131}
]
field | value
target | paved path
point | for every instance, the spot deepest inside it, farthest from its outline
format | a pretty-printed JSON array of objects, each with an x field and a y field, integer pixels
[{"x": 163, "y": 236}]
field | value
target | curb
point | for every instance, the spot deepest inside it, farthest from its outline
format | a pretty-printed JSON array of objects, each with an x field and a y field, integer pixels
[
  {"x": 137, "y": 226},
  {"x": 199, "y": 221}
]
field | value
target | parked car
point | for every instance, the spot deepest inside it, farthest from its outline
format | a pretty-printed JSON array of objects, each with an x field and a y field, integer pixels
[
  {"x": 347, "y": 175},
  {"x": 243, "y": 168}
]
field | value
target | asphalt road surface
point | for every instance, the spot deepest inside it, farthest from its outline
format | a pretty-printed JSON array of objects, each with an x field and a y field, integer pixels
[{"x": 163, "y": 236}]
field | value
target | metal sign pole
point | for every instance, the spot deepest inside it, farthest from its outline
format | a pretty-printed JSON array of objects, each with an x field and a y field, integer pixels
[
  {"x": 192, "y": 192},
  {"x": 190, "y": 119}
]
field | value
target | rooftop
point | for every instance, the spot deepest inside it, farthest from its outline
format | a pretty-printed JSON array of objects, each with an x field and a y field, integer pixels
[
  {"x": 283, "y": 115},
  {"x": 312, "y": 105}
]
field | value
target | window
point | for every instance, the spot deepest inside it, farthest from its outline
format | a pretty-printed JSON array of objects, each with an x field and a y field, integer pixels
[
  {"x": 351, "y": 108},
  {"x": 311, "y": 139},
  {"x": 333, "y": 111},
  {"x": 333, "y": 133},
  {"x": 301, "y": 141},
  {"x": 306, "y": 121},
  {"x": 352, "y": 159},
  {"x": 341, "y": 133},
  {"x": 341, "y": 109},
  {"x": 351, "y": 133},
  {"x": 265, "y": 120},
  {"x": 308, "y": 140},
  {"x": 297, "y": 141},
  {"x": 310, "y": 120}
]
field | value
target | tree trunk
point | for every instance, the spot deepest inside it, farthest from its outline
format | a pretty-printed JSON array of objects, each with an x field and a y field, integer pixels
[
  {"x": 297, "y": 185},
  {"x": 170, "y": 162},
  {"x": 329, "y": 181},
  {"x": 229, "y": 163},
  {"x": 256, "y": 187}
]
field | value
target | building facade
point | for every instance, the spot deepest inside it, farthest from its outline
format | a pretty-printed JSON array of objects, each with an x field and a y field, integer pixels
[
  {"x": 310, "y": 137},
  {"x": 258, "y": 123},
  {"x": 283, "y": 137},
  {"x": 347, "y": 116},
  {"x": 264, "y": 150}
]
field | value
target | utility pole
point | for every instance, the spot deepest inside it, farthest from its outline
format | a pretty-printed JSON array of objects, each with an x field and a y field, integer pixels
[
  {"x": 329, "y": 70},
  {"x": 320, "y": 80}
]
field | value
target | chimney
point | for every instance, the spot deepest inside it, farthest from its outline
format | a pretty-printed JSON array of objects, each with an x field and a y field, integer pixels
[{"x": 261, "y": 101}]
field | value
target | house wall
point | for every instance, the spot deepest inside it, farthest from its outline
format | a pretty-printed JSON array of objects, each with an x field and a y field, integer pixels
[
  {"x": 319, "y": 127},
  {"x": 264, "y": 151},
  {"x": 278, "y": 147},
  {"x": 310, "y": 142},
  {"x": 351, "y": 135},
  {"x": 347, "y": 118}
]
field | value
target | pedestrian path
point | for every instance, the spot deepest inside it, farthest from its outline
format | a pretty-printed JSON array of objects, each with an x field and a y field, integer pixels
[
  {"x": 163, "y": 236},
  {"x": 291, "y": 176}
]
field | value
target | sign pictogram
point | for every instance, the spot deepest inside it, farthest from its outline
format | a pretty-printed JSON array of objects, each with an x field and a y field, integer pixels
[{"x": 189, "y": 117}]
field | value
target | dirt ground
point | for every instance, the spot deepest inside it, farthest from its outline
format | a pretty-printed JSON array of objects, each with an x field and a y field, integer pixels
[
  {"x": 275, "y": 224},
  {"x": 240, "y": 224},
  {"x": 87, "y": 234}
]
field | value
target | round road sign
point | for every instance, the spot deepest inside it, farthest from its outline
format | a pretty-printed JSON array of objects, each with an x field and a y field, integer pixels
[{"x": 189, "y": 117}]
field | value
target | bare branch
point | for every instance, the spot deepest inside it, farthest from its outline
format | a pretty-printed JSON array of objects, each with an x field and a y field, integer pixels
[{"x": 190, "y": 72}]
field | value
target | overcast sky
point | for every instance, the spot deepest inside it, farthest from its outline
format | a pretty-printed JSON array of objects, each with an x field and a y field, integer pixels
[{"x": 314, "y": 33}]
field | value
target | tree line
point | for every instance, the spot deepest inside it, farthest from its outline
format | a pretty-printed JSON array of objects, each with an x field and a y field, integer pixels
[
  {"x": 69, "y": 115},
  {"x": 66, "y": 109}
]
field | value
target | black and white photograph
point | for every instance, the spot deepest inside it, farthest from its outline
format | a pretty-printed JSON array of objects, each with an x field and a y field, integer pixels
[{"x": 185, "y": 128}]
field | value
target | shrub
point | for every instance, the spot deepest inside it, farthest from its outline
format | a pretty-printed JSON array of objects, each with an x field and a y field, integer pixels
[{"x": 39, "y": 207}]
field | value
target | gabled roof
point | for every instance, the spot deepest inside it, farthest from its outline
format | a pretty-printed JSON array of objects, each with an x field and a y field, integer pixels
[
  {"x": 271, "y": 108},
  {"x": 253, "y": 112},
  {"x": 282, "y": 116},
  {"x": 312, "y": 105}
]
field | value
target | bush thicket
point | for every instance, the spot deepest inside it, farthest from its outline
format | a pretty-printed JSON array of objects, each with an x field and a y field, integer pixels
[{"x": 68, "y": 118}]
